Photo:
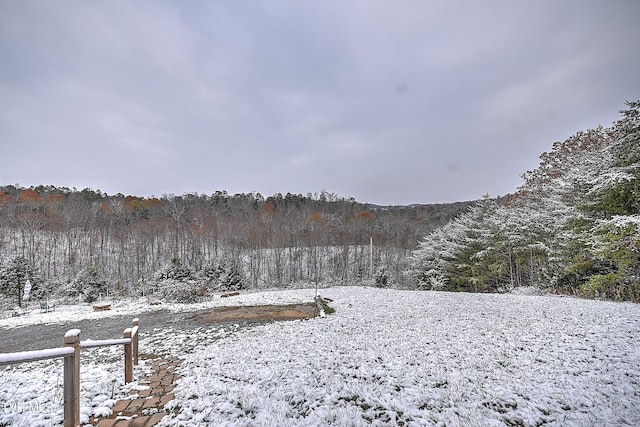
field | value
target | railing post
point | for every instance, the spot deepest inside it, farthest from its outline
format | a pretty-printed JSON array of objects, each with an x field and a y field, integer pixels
[
  {"x": 134, "y": 340},
  {"x": 72, "y": 380},
  {"x": 128, "y": 365}
]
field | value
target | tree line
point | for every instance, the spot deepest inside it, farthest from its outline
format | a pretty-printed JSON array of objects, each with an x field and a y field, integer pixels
[
  {"x": 572, "y": 227},
  {"x": 68, "y": 239}
]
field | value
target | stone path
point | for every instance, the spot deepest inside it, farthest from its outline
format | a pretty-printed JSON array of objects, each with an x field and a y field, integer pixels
[{"x": 147, "y": 408}]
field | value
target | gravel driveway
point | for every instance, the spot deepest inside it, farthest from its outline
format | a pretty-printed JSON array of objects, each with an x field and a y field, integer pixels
[{"x": 38, "y": 337}]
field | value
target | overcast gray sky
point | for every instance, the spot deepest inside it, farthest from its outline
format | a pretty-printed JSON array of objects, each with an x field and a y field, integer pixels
[{"x": 390, "y": 102}]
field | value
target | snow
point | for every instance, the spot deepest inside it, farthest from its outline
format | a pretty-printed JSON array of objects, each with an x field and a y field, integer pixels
[
  {"x": 385, "y": 357},
  {"x": 139, "y": 307},
  {"x": 32, "y": 393},
  {"x": 72, "y": 333},
  {"x": 64, "y": 313},
  {"x": 621, "y": 221},
  {"x": 26, "y": 356},
  {"x": 389, "y": 357}
]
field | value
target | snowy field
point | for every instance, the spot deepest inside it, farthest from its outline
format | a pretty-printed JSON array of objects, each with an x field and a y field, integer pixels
[
  {"x": 391, "y": 357},
  {"x": 386, "y": 357}
]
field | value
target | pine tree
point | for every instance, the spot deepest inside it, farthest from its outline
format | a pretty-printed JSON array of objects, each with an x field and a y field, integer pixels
[
  {"x": 230, "y": 277},
  {"x": 90, "y": 283},
  {"x": 612, "y": 214},
  {"x": 13, "y": 277},
  {"x": 175, "y": 270}
]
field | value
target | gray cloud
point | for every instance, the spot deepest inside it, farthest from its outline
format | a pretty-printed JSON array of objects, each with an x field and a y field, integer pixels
[{"x": 387, "y": 102}]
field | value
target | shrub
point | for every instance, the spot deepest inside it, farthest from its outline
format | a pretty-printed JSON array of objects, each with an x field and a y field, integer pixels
[
  {"x": 180, "y": 291},
  {"x": 382, "y": 277},
  {"x": 601, "y": 286}
]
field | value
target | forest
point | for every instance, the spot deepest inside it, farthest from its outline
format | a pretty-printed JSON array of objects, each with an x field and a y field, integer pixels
[
  {"x": 572, "y": 227},
  {"x": 84, "y": 243}
]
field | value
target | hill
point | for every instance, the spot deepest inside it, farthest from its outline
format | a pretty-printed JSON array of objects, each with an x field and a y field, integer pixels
[{"x": 59, "y": 233}]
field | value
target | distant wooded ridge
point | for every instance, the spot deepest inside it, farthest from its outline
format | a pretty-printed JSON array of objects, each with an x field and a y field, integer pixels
[
  {"x": 14, "y": 190},
  {"x": 61, "y": 231}
]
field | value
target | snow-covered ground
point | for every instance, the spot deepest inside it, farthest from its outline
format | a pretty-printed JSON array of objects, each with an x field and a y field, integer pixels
[
  {"x": 64, "y": 313},
  {"x": 386, "y": 357},
  {"x": 31, "y": 393},
  {"x": 391, "y": 357}
]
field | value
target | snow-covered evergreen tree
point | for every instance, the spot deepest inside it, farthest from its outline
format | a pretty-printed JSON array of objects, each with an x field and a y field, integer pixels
[
  {"x": 90, "y": 283},
  {"x": 431, "y": 261},
  {"x": 14, "y": 275},
  {"x": 175, "y": 270},
  {"x": 230, "y": 277},
  {"x": 611, "y": 206},
  {"x": 224, "y": 276},
  {"x": 574, "y": 225}
]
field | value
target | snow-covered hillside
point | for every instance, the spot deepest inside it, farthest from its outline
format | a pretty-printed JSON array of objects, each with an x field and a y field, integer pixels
[{"x": 386, "y": 357}]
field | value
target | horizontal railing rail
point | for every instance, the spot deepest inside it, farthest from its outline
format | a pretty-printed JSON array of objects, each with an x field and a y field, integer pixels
[
  {"x": 34, "y": 355},
  {"x": 104, "y": 343},
  {"x": 71, "y": 354}
]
